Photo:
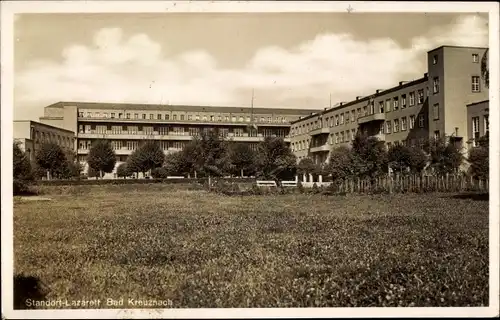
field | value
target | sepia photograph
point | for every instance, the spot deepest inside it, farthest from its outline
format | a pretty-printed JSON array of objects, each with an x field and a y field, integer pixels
[{"x": 214, "y": 159}]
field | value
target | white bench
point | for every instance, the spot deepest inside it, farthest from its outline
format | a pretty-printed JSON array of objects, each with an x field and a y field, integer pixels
[
  {"x": 261, "y": 183},
  {"x": 289, "y": 183}
]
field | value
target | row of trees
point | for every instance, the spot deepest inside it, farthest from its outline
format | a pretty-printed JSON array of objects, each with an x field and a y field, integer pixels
[
  {"x": 368, "y": 157},
  {"x": 209, "y": 155}
]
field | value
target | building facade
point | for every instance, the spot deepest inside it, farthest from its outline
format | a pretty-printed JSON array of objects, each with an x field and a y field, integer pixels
[
  {"x": 409, "y": 113},
  {"x": 127, "y": 125},
  {"x": 478, "y": 121},
  {"x": 31, "y": 135}
]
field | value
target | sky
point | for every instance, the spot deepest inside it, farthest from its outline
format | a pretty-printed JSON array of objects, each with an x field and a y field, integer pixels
[{"x": 289, "y": 60}]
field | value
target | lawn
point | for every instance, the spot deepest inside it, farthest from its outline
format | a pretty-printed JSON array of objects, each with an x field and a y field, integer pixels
[{"x": 198, "y": 249}]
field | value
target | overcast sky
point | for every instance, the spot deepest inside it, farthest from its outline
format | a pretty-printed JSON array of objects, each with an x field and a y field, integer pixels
[{"x": 291, "y": 60}]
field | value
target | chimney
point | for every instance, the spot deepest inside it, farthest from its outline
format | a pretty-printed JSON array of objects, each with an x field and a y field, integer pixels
[
  {"x": 379, "y": 90},
  {"x": 359, "y": 97},
  {"x": 402, "y": 82}
]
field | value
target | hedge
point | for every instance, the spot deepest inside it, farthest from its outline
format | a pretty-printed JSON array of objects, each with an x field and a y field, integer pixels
[{"x": 133, "y": 181}]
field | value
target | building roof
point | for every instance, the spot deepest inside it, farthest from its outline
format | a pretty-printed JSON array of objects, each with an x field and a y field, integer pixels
[
  {"x": 457, "y": 47},
  {"x": 155, "y": 107},
  {"x": 42, "y": 124},
  {"x": 477, "y": 102},
  {"x": 366, "y": 98}
]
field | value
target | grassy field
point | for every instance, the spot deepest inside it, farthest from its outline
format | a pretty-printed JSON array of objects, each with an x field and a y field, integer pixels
[{"x": 206, "y": 250}]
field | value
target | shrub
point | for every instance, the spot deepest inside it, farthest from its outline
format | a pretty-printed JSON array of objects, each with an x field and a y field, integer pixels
[
  {"x": 160, "y": 173},
  {"x": 22, "y": 174}
]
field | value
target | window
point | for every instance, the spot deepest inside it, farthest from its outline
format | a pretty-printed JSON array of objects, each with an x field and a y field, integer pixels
[
  {"x": 420, "y": 96},
  {"x": 412, "y": 99},
  {"x": 435, "y": 59},
  {"x": 395, "y": 103},
  {"x": 197, "y": 117},
  {"x": 241, "y": 119},
  {"x": 486, "y": 123},
  {"x": 403, "y": 101},
  {"x": 342, "y": 137},
  {"x": 174, "y": 117},
  {"x": 353, "y": 134},
  {"x": 212, "y": 118},
  {"x": 144, "y": 116},
  {"x": 105, "y": 114},
  {"x": 388, "y": 128},
  {"x": 475, "y": 127},
  {"x": 89, "y": 114},
  {"x": 136, "y": 116},
  {"x": 80, "y": 114},
  {"x": 435, "y": 87},
  {"x": 387, "y": 105},
  {"x": 403, "y": 124},
  {"x": 381, "y": 106},
  {"x": 421, "y": 121},
  {"x": 158, "y": 116},
  {"x": 353, "y": 115},
  {"x": 412, "y": 122},
  {"x": 269, "y": 119},
  {"x": 347, "y": 117},
  {"x": 182, "y": 117},
  {"x": 475, "y": 84},
  {"x": 337, "y": 137},
  {"x": 128, "y": 115},
  {"x": 112, "y": 115},
  {"x": 337, "y": 120},
  {"x": 396, "y": 125},
  {"x": 475, "y": 58},
  {"x": 167, "y": 117},
  {"x": 359, "y": 112},
  {"x": 365, "y": 108},
  {"x": 436, "y": 134},
  {"x": 342, "y": 118},
  {"x": 435, "y": 112},
  {"x": 226, "y": 118},
  {"x": 120, "y": 115},
  {"x": 190, "y": 117}
]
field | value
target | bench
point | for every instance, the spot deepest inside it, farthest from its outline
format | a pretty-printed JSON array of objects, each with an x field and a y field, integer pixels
[
  {"x": 289, "y": 183},
  {"x": 266, "y": 183}
]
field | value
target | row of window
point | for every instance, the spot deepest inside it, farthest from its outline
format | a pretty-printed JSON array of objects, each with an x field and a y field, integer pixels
[
  {"x": 475, "y": 58},
  {"x": 45, "y": 137},
  {"x": 165, "y": 130},
  {"x": 347, "y": 117},
  {"x": 183, "y": 117},
  {"x": 402, "y": 124}
]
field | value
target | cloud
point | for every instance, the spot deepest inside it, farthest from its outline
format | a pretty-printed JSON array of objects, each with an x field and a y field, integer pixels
[{"x": 136, "y": 70}]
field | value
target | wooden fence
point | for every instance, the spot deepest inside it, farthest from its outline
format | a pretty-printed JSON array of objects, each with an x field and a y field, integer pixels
[{"x": 411, "y": 183}]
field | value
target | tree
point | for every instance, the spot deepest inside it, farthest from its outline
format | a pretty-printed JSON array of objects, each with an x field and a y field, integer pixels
[
  {"x": 160, "y": 173},
  {"x": 242, "y": 159},
  {"x": 101, "y": 157},
  {"x": 122, "y": 170},
  {"x": 342, "y": 163},
  {"x": 149, "y": 156},
  {"x": 22, "y": 173},
  {"x": 210, "y": 154},
  {"x": 406, "y": 159},
  {"x": 444, "y": 157},
  {"x": 479, "y": 159},
  {"x": 307, "y": 166},
  {"x": 51, "y": 158},
  {"x": 370, "y": 156},
  {"x": 485, "y": 70},
  {"x": 274, "y": 159}
]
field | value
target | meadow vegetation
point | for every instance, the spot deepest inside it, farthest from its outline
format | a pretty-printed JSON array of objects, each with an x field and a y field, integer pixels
[{"x": 202, "y": 249}]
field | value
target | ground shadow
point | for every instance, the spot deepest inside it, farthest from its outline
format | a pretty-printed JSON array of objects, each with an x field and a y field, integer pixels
[
  {"x": 472, "y": 196},
  {"x": 27, "y": 288}
]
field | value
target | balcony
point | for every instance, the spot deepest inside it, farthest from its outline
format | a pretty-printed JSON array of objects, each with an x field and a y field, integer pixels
[
  {"x": 372, "y": 117},
  {"x": 180, "y": 122},
  {"x": 319, "y": 131},
  {"x": 323, "y": 148}
]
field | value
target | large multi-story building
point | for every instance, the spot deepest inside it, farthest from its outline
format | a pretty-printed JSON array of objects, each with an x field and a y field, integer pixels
[
  {"x": 126, "y": 125},
  {"x": 31, "y": 135},
  {"x": 432, "y": 106}
]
